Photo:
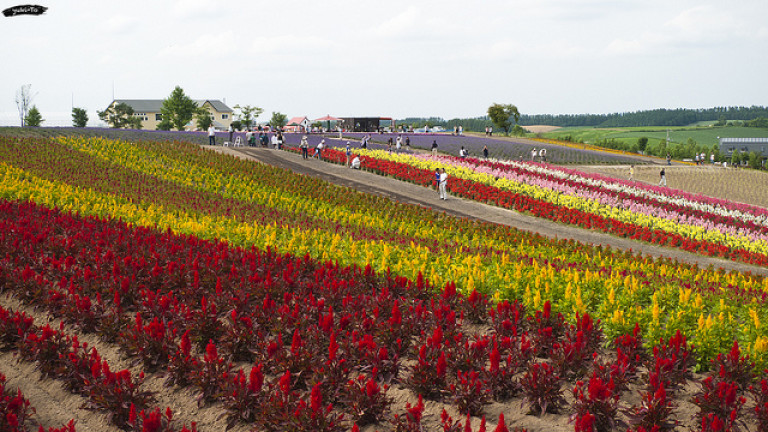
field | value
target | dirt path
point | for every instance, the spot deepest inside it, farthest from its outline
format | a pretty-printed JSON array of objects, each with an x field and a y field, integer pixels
[{"x": 397, "y": 190}]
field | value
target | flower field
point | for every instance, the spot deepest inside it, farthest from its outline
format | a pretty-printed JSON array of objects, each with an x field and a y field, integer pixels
[
  {"x": 256, "y": 287},
  {"x": 668, "y": 217}
]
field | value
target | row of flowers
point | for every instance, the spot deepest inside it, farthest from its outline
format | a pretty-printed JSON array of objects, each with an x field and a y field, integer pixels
[
  {"x": 711, "y": 307},
  {"x": 733, "y": 229},
  {"x": 326, "y": 342}
]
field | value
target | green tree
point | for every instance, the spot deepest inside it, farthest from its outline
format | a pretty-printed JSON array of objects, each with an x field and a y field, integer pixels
[
  {"x": 502, "y": 115},
  {"x": 203, "y": 119},
  {"x": 248, "y": 114},
  {"x": 278, "y": 120},
  {"x": 33, "y": 118},
  {"x": 642, "y": 143},
  {"x": 178, "y": 108},
  {"x": 518, "y": 130},
  {"x": 164, "y": 124},
  {"x": 721, "y": 121},
  {"x": 755, "y": 161},
  {"x": 760, "y": 122},
  {"x": 120, "y": 116},
  {"x": 736, "y": 158},
  {"x": 79, "y": 117}
]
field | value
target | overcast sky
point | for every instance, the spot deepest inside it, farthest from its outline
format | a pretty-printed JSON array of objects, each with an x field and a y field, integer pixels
[{"x": 446, "y": 58}]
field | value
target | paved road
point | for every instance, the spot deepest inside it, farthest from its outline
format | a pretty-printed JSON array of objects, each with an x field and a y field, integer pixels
[{"x": 413, "y": 194}]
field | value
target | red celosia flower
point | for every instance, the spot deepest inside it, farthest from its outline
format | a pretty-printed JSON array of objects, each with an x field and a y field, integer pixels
[{"x": 502, "y": 426}]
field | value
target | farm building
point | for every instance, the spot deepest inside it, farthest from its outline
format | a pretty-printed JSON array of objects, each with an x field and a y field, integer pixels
[
  {"x": 298, "y": 124},
  {"x": 744, "y": 145},
  {"x": 365, "y": 124},
  {"x": 149, "y": 110}
]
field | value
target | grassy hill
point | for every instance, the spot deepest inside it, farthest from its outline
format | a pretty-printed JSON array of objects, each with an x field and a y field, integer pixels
[{"x": 703, "y": 135}]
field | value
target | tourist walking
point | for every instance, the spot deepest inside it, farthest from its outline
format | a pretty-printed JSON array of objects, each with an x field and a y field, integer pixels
[
  {"x": 437, "y": 181},
  {"x": 211, "y": 135},
  {"x": 348, "y": 151},
  {"x": 533, "y": 154},
  {"x": 434, "y": 147},
  {"x": 389, "y": 145},
  {"x": 485, "y": 152},
  {"x": 443, "y": 184},
  {"x": 543, "y": 154},
  {"x": 231, "y": 131},
  {"x": 398, "y": 144},
  {"x": 319, "y": 149},
  {"x": 663, "y": 180},
  {"x": 304, "y": 146},
  {"x": 408, "y": 142},
  {"x": 632, "y": 172},
  {"x": 462, "y": 153}
]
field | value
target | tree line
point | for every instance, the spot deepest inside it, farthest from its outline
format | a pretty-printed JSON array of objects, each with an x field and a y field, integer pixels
[{"x": 655, "y": 117}]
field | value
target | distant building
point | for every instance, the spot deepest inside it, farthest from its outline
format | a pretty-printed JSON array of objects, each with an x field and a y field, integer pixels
[
  {"x": 365, "y": 124},
  {"x": 744, "y": 145},
  {"x": 297, "y": 124},
  {"x": 149, "y": 110}
]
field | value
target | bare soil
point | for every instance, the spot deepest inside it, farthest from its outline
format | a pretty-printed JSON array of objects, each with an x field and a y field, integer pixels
[{"x": 741, "y": 185}]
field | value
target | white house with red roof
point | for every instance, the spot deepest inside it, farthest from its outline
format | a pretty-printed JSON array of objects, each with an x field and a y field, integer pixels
[{"x": 298, "y": 124}]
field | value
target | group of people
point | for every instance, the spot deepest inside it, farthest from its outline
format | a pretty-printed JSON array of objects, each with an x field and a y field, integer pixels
[
  {"x": 542, "y": 153},
  {"x": 398, "y": 143},
  {"x": 304, "y": 148},
  {"x": 701, "y": 159},
  {"x": 251, "y": 138},
  {"x": 441, "y": 183}
]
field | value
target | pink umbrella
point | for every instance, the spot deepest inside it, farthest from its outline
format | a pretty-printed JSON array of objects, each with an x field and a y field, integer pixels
[{"x": 327, "y": 118}]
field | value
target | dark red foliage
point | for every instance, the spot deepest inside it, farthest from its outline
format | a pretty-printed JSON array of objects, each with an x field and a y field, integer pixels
[
  {"x": 672, "y": 361},
  {"x": 760, "y": 393},
  {"x": 470, "y": 392},
  {"x": 596, "y": 405},
  {"x": 720, "y": 401},
  {"x": 152, "y": 342},
  {"x": 630, "y": 347},
  {"x": 182, "y": 365},
  {"x": 542, "y": 389},
  {"x": 210, "y": 375},
  {"x": 546, "y": 328},
  {"x": 410, "y": 421},
  {"x": 366, "y": 399},
  {"x": 655, "y": 412},
  {"x": 733, "y": 367},
  {"x": 15, "y": 410},
  {"x": 244, "y": 396}
]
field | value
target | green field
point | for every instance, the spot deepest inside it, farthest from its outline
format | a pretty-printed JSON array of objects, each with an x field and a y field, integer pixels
[{"x": 703, "y": 135}]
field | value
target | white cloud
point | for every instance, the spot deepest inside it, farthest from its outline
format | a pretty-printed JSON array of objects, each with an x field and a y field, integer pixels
[
  {"x": 119, "y": 24},
  {"x": 289, "y": 44},
  {"x": 206, "y": 45}
]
